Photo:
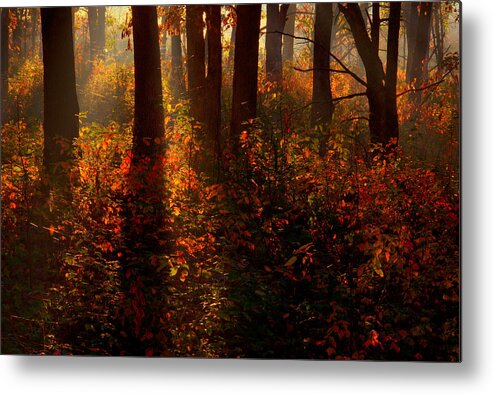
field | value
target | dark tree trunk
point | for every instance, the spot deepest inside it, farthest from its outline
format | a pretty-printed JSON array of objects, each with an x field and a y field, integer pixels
[
  {"x": 97, "y": 28},
  {"x": 245, "y": 82},
  {"x": 196, "y": 61},
  {"x": 419, "y": 66},
  {"x": 61, "y": 108},
  {"x": 144, "y": 210},
  {"x": 17, "y": 30},
  {"x": 101, "y": 31},
  {"x": 214, "y": 79},
  {"x": 149, "y": 112},
  {"x": 438, "y": 35},
  {"x": 276, "y": 19},
  {"x": 322, "y": 106},
  {"x": 4, "y": 49},
  {"x": 375, "y": 27},
  {"x": 380, "y": 87},
  {"x": 411, "y": 23},
  {"x": 92, "y": 21},
  {"x": 391, "y": 71},
  {"x": 177, "y": 79},
  {"x": 288, "y": 40}
]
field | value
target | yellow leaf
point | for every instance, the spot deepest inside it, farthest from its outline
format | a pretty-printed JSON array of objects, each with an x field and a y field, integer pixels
[{"x": 51, "y": 229}]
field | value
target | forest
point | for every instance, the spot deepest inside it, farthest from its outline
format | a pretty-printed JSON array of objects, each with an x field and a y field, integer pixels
[{"x": 232, "y": 181}]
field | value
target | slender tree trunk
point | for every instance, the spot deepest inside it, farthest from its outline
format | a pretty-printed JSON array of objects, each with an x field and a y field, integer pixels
[
  {"x": 375, "y": 27},
  {"x": 164, "y": 40},
  {"x": 96, "y": 21},
  {"x": 177, "y": 79},
  {"x": 411, "y": 24},
  {"x": 149, "y": 112},
  {"x": 61, "y": 108},
  {"x": 419, "y": 66},
  {"x": 438, "y": 36},
  {"x": 391, "y": 71},
  {"x": 92, "y": 21},
  {"x": 214, "y": 79},
  {"x": 322, "y": 106},
  {"x": 4, "y": 49},
  {"x": 145, "y": 209},
  {"x": 245, "y": 75},
  {"x": 288, "y": 40},
  {"x": 196, "y": 61},
  {"x": 101, "y": 31},
  {"x": 380, "y": 87},
  {"x": 276, "y": 19},
  {"x": 34, "y": 30},
  {"x": 231, "y": 52}
]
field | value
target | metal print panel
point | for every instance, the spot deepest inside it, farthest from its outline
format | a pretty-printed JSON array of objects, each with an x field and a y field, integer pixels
[{"x": 235, "y": 181}]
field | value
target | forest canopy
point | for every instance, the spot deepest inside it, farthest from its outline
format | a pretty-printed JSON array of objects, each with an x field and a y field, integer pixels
[{"x": 251, "y": 180}]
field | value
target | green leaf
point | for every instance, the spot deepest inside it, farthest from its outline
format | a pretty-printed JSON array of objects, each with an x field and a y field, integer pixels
[{"x": 291, "y": 261}]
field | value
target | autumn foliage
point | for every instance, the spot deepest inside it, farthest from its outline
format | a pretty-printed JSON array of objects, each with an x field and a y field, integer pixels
[{"x": 281, "y": 253}]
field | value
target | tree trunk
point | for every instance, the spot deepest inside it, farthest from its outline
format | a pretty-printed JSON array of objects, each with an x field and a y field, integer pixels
[
  {"x": 419, "y": 66},
  {"x": 245, "y": 75},
  {"x": 196, "y": 61},
  {"x": 276, "y": 19},
  {"x": 438, "y": 36},
  {"x": 391, "y": 71},
  {"x": 4, "y": 49},
  {"x": 97, "y": 28},
  {"x": 231, "y": 52},
  {"x": 214, "y": 79},
  {"x": 380, "y": 87},
  {"x": 145, "y": 209},
  {"x": 92, "y": 21},
  {"x": 177, "y": 80},
  {"x": 101, "y": 31},
  {"x": 322, "y": 106},
  {"x": 34, "y": 30},
  {"x": 375, "y": 27},
  {"x": 61, "y": 108},
  {"x": 149, "y": 112},
  {"x": 164, "y": 40},
  {"x": 288, "y": 40}
]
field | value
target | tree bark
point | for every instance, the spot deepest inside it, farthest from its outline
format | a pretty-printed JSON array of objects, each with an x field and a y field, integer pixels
[
  {"x": 144, "y": 210},
  {"x": 276, "y": 19},
  {"x": 380, "y": 87},
  {"x": 96, "y": 21},
  {"x": 34, "y": 30},
  {"x": 322, "y": 106},
  {"x": 61, "y": 108},
  {"x": 245, "y": 75},
  {"x": 164, "y": 38},
  {"x": 375, "y": 27},
  {"x": 288, "y": 40},
  {"x": 196, "y": 61},
  {"x": 419, "y": 66},
  {"x": 214, "y": 79},
  {"x": 4, "y": 49},
  {"x": 391, "y": 71},
  {"x": 411, "y": 24},
  {"x": 177, "y": 80},
  {"x": 231, "y": 52},
  {"x": 149, "y": 111}
]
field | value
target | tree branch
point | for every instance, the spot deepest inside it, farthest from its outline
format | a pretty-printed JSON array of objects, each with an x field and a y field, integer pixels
[
  {"x": 436, "y": 83},
  {"x": 346, "y": 69}
]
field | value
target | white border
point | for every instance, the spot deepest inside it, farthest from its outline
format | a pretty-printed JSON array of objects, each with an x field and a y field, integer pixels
[{"x": 475, "y": 374}]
